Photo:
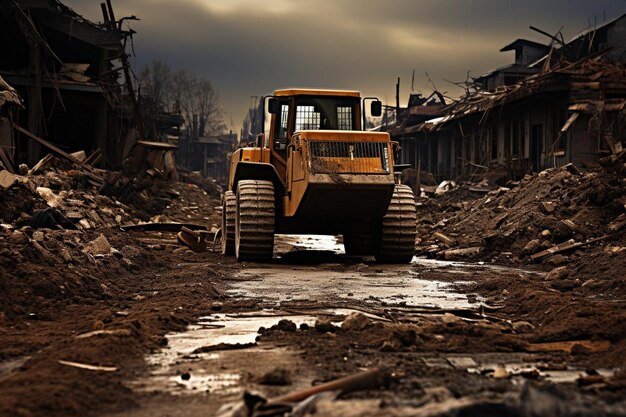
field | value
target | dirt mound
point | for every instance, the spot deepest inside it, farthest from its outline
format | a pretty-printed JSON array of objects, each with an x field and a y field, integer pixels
[{"x": 569, "y": 213}]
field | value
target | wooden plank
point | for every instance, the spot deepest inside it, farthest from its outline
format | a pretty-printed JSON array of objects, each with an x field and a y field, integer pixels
[
  {"x": 570, "y": 121},
  {"x": 570, "y": 244},
  {"x": 88, "y": 366},
  {"x": 6, "y": 161},
  {"x": 46, "y": 144}
]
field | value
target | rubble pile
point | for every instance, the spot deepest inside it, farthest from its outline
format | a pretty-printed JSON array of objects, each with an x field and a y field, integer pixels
[
  {"x": 554, "y": 217},
  {"x": 60, "y": 240}
]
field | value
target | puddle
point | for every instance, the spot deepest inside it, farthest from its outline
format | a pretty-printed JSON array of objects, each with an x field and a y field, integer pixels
[
  {"x": 465, "y": 268},
  {"x": 312, "y": 242},
  {"x": 395, "y": 285},
  {"x": 206, "y": 369},
  {"x": 518, "y": 370},
  {"x": 198, "y": 382}
]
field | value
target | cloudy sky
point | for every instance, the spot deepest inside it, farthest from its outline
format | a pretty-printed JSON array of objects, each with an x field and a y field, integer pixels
[{"x": 251, "y": 47}]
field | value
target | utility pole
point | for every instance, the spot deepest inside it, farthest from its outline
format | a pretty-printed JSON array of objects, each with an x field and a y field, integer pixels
[{"x": 398, "y": 102}]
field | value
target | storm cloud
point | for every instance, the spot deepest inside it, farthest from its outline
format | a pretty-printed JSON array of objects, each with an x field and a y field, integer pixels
[{"x": 251, "y": 47}]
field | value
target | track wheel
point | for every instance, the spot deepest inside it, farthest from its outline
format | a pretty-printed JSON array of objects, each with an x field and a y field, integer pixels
[
  {"x": 396, "y": 242},
  {"x": 229, "y": 211},
  {"x": 255, "y": 217},
  {"x": 356, "y": 244}
]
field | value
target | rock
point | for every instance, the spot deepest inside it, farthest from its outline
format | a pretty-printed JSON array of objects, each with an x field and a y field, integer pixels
[
  {"x": 325, "y": 326},
  {"x": 546, "y": 233},
  {"x": 561, "y": 233},
  {"x": 45, "y": 254},
  {"x": 277, "y": 377},
  {"x": 8, "y": 180},
  {"x": 500, "y": 373},
  {"x": 51, "y": 198},
  {"x": 532, "y": 247},
  {"x": 557, "y": 260},
  {"x": 355, "y": 322},
  {"x": 65, "y": 254},
  {"x": 99, "y": 246},
  {"x": 572, "y": 169},
  {"x": 23, "y": 169},
  {"x": 546, "y": 207},
  {"x": 522, "y": 327},
  {"x": 557, "y": 273},
  {"x": 38, "y": 236},
  {"x": 286, "y": 326}
]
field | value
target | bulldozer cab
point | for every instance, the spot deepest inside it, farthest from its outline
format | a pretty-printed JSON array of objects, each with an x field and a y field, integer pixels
[{"x": 294, "y": 111}]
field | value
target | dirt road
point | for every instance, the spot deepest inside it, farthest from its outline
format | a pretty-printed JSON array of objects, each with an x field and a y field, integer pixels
[{"x": 186, "y": 334}]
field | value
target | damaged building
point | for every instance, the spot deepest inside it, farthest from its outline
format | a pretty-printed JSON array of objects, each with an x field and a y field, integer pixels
[
  {"x": 556, "y": 104},
  {"x": 69, "y": 73}
]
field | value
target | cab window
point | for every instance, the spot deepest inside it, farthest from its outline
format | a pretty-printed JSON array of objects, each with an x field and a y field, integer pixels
[
  {"x": 281, "y": 134},
  {"x": 325, "y": 113}
]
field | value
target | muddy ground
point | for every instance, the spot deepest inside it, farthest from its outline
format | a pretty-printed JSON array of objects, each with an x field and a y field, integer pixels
[{"x": 105, "y": 322}]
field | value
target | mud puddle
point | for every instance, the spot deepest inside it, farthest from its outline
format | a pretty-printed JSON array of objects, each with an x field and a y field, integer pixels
[{"x": 201, "y": 359}]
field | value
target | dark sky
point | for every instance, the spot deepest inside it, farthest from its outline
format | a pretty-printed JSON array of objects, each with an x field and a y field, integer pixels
[{"x": 252, "y": 47}]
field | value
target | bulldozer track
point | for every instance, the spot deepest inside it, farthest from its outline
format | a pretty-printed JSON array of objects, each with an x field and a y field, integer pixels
[
  {"x": 397, "y": 238},
  {"x": 229, "y": 211},
  {"x": 255, "y": 218}
]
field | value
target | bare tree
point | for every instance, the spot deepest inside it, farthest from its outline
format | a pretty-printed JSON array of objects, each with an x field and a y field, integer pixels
[
  {"x": 181, "y": 91},
  {"x": 156, "y": 81}
]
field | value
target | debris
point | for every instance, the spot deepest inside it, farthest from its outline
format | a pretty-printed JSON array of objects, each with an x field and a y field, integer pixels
[
  {"x": 522, "y": 327},
  {"x": 591, "y": 345},
  {"x": 51, "y": 198},
  {"x": 173, "y": 227},
  {"x": 570, "y": 244},
  {"x": 194, "y": 240},
  {"x": 99, "y": 246},
  {"x": 557, "y": 273},
  {"x": 8, "y": 180},
  {"x": 223, "y": 346},
  {"x": 43, "y": 164},
  {"x": 443, "y": 238},
  {"x": 88, "y": 367},
  {"x": 362, "y": 381},
  {"x": 500, "y": 373},
  {"x": 277, "y": 377},
  {"x": 547, "y": 207},
  {"x": 572, "y": 169},
  {"x": 355, "y": 321},
  {"x": 114, "y": 332},
  {"x": 286, "y": 326},
  {"x": 50, "y": 218},
  {"x": 46, "y": 144},
  {"x": 323, "y": 325},
  {"x": 462, "y": 362},
  {"x": 452, "y": 254}
]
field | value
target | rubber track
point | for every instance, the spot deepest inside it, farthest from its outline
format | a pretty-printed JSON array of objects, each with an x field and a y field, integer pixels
[
  {"x": 255, "y": 220},
  {"x": 397, "y": 240},
  {"x": 229, "y": 211}
]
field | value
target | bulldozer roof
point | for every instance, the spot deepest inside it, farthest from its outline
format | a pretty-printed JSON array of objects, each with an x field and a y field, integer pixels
[{"x": 315, "y": 92}]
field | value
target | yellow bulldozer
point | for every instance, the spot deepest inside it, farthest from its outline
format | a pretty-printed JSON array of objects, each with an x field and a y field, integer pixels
[{"x": 317, "y": 171}]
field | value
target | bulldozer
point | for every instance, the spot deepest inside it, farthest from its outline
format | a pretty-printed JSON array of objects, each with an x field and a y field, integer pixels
[{"x": 316, "y": 170}]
